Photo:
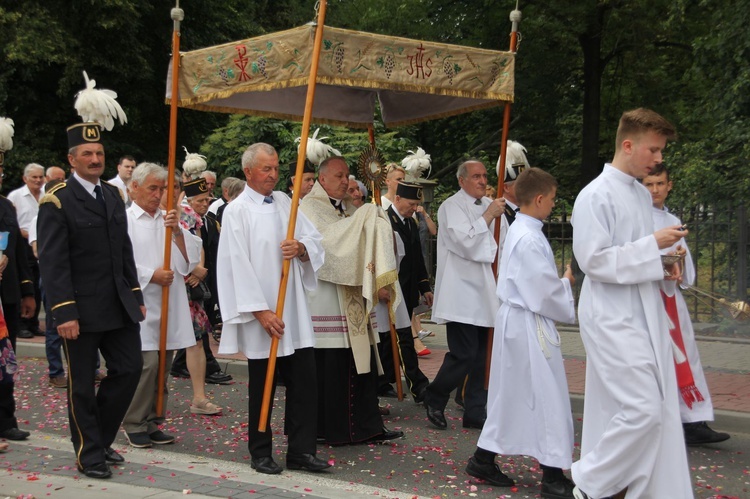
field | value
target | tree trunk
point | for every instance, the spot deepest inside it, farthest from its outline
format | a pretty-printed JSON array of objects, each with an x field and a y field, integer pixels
[{"x": 593, "y": 66}]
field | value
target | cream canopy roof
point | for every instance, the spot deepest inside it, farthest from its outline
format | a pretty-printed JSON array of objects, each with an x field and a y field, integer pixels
[{"x": 412, "y": 80}]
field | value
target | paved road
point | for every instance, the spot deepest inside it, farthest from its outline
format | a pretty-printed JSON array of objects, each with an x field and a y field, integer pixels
[{"x": 210, "y": 457}]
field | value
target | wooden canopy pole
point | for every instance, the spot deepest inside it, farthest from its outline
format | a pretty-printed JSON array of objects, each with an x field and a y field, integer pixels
[
  {"x": 515, "y": 19},
  {"x": 394, "y": 335},
  {"x": 177, "y": 15},
  {"x": 307, "y": 118}
]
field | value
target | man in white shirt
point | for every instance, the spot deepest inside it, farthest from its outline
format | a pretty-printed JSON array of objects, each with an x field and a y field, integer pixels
[
  {"x": 465, "y": 298},
  {"x": 26, "y": 200},
  {"x": 252, "y": 250},
  {"x": 147, "y": 229},
  {"x": 632, "y": 437},
  {"x": 124, "y": 171}
]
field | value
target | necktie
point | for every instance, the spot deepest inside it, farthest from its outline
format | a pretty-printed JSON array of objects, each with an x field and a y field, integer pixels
[
  {"x": 478, "y": 202},
  {"x": 268, "y": 200},
  {"x": 99, "y": 195},
  {"x": 337, "y": 204}
]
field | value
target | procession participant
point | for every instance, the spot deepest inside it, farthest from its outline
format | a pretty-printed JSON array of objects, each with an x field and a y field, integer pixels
[
  {"x": 252, "y": 249},
  {"x": 465, "y": 298},
  {"x": 528, "y": 406},
  {"x": 354, "y": 192},
  {"x": 125, "y": 167},
  {"x": 695, "y": 400},
  {"x": 308, "y": 179},
  {"x": 359, "y": 262},
  {"x": 202, "y": 295},
  {"x": 224, "y": 198},
  {"x": 235, "y": 188},
  {"x": 147, "y": 228},
  {"x": 16, "y": 289},
  {"x": 394, "y": 175},
  {"x": 210, "y": 178},
  {"x": 89, "y": 274},
  {"x": 26, "y": 201},
  {"x": 414, "y": 283},
  {"x": 632, "y": 439},
  {"x": 53, "y": 173}
]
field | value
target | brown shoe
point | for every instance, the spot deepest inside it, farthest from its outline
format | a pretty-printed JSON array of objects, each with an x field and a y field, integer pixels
[{"x": 58, "y": 381}]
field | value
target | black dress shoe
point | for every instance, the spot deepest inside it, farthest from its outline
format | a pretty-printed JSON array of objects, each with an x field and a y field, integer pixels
[
  {"x": 305, "y": 462},
  {"x": 14, "y": 434},
  {"x": 700, "y": 433},
  {"x": 436, "y": 417},
  {"x": 25, "y": 334},
  {"x": 100, "y": 470},
  {"x": 489, "y": 472},
  {"x": 473, "y": 423},
  {"x": 562, "y": 488},
  {"x": 265, "y": 465},
  {"x": 180, "y": 373},
  {"x": 218, "y": 378},
  {"x": 386, "y": 435},
  {"x": 111, "y": 456}
]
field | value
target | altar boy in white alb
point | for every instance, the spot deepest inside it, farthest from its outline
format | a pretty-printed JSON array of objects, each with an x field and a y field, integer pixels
[
  {"x": 632, "y": 443},
  {"x": 146, "y": 228},
  {"x": 695, "y": 400},
  {"x": 528, "y": 407},
  {"x": 252, "y": 249}
]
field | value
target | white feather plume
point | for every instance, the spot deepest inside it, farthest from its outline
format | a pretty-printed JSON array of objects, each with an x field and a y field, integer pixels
[
  {"x": 515, "y": 154},
  {"x": 194, "y": 163},
  {"x": 100, "y": 106},
  {"x": 317, "y": 151},
  {"x": 6, "y": 134},
  {"x": 416, "y": 163}
]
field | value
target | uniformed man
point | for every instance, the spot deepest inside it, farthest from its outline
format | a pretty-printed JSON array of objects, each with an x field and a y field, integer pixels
[
  {"x": 89, "y": 274},
  {"x": 414, "y": 282}
]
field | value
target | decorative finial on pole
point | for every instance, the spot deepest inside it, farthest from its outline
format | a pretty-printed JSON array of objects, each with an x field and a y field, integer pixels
[
  {"x": 515, "y": 17},
  {"x": 177, "y": 15}
]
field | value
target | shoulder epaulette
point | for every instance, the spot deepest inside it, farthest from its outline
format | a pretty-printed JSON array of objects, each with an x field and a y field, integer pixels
[
  {"x": 57, "y": 187},
  {"x": 49, "y": 196}
]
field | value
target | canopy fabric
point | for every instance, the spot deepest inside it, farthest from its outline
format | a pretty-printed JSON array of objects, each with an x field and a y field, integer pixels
[{"x": 412, "y": 80}]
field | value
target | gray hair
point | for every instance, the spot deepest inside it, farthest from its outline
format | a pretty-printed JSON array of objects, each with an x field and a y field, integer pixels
[
  {"x": 461, "y": 172},
  {"x": 206, "y": 173},
  {"x": 144, "y": 170},
  {"x": 227, "y": 182},
  {"x": 31, "y": 167},
  {"x": 248, "y": 157},
  {"x": 235, "y": 188},
  {"x": 362, "y": 188}
]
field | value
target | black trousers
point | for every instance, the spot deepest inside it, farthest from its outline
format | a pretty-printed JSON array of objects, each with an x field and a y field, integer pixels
[
  {"x": 212, "y": 365},
  {"x": 416, "y": 381},
  {"x": 467, "y": 355},
  {"x": 7, "y": 398},
  {"x": 95, "y": 416},
  {"x": 300, "y": 417}
]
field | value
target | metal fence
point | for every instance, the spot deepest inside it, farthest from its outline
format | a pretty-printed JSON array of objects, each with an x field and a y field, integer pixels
[{"x": 718, "y": 242}]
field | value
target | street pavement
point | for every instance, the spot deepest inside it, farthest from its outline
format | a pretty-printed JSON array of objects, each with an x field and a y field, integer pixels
[{"x": 210, "y": 458}]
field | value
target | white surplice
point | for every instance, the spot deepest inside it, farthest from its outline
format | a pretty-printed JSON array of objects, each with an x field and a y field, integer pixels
[
  {"x": 147, "y": 234},
  {"x": 528, "y": 406},
  {"x": 632, "y": 435},
  {"x": 249, "y": 265},
  {"x": 701, "y": 410},
  {"x": 466, "y": 248}
]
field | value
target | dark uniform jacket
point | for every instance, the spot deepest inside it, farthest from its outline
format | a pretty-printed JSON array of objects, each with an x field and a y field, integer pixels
[
  {"x": 210, "y": 237},
  {"x": 412, "y": 274},
  {"x": 86, "y": 258},
  {"x": 17, "y": 279}
]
